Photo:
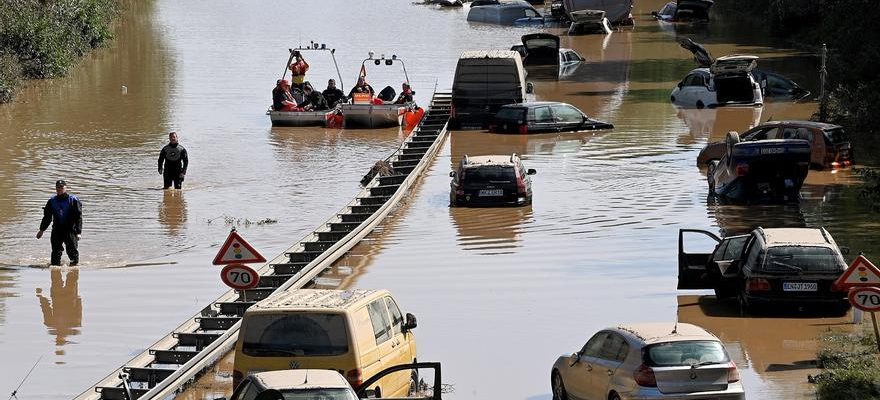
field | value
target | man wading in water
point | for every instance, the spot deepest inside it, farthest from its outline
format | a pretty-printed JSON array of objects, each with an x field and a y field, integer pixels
[
  {"x": 64, "y": 212},
  {"x": 175, "y": 161}
]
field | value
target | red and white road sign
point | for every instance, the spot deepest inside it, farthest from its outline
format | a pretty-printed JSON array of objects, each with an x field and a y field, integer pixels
[
  {"x": 239, "y": 276},
  {"x": 861, "y": 273},
  {"x": 236, "y": 251},
  {"x": 865, "y": 298}
]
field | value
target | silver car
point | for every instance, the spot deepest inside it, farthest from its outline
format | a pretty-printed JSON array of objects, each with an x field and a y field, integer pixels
[{"x": 648, "y": 361}]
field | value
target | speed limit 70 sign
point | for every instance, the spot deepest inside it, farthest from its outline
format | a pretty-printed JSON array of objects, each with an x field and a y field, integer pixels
[
  {"x": 865, "y": 298},
  {"x": 239, "y": 276}
]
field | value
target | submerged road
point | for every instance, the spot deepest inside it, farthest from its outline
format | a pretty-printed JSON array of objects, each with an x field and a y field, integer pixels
[{"x": 499, "y": 292}]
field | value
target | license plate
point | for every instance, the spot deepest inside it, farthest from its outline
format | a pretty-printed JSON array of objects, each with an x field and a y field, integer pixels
[
  {"x": 491, "y": 192},
  {"x": 800, "y": 286}
]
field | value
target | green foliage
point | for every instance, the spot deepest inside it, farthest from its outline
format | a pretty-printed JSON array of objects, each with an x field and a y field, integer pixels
[
  {"x": 871, "y": 187},
  {"x": 47, "y": 37},
  {"x": 852, "y": 368},
  {"x": 10, "y": 77}
]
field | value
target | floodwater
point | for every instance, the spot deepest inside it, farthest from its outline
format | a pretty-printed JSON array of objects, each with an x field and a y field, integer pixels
[{"x": 499, "y": 293}]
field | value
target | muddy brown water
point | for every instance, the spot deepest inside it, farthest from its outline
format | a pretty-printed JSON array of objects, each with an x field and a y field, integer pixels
[{"x": 499, "y": 293}]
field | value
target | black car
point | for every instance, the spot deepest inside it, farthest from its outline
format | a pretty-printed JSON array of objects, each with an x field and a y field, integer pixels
[
  {"x": 489, "y": 181},
  {"x": 767, "y": 267},
  {"x": 543, "y": 117}
]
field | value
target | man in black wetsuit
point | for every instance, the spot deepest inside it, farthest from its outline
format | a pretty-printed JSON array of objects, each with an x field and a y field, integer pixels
[
  {"x": 173, "y": 161},
  {"x": 332, "y": 94},
  {"x": 314, "y": 100},
  {"x": 64, "y": 212}
]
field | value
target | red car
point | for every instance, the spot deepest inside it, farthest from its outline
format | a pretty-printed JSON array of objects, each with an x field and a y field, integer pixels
[{"x": 829, "y": 146}]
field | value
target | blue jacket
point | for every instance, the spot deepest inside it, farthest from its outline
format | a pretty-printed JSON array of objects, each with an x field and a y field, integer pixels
[{"x": 64, "y": 212}]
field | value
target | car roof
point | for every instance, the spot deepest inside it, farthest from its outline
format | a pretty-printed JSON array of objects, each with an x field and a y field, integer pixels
[
  {"x": 662, "y": 332},
  {"x": 493, "y": 159},
  {"x": 317, "y": 299},
  {"x": 509, "y": 4},
  {"x": 533, "y": 104},
  {"x": 810, "y": 124},
  {"x": 300, "y": 379},
  {"x": 489, "y": 54},
  {"x": 795, "y": 237}
]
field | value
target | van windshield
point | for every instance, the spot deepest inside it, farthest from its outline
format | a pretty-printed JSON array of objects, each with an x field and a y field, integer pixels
[{"x": 301, "y": 334}]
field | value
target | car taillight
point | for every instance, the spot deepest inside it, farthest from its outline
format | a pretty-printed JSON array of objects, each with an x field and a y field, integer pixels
[
  {"x": 524, "y": 129},
  {"x": 742, "y": 169},
  {"x": 520, "y": 183},
  {"x": 757, "y": 285},
  {"x": 644, "y": 376},
  {"x": 732, "y": 373},
  {"x": 237, "y": 376},
  {"x": 355, "y": 377}
]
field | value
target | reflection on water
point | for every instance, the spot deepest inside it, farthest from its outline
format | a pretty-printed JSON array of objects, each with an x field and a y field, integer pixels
[
  {"x": 62, "y": 310},
  {"x": 172, "y": 211}
]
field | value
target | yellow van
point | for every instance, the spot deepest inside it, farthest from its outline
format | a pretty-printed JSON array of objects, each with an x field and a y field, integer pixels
[{"x": 355, "y": 332}]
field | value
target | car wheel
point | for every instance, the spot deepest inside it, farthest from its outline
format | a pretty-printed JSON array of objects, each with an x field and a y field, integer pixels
[
  {"x": 700, "y": 105},
  {"x": 558, "y": 387},
  {"x": 613, "y": 396}
]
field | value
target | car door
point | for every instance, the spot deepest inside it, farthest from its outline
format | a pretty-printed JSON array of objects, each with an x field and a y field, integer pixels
[
  {"x": 611, "y": 355},
  {"x": 567, "y": 118},
  {"x": 543, "y": 121},
  {"x": 577, "y": 377},
  {"x": 693, "y": 266}
]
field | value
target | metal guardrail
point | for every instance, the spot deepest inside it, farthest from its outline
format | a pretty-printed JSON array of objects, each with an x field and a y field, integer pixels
[{"x": 179, "y": 357}]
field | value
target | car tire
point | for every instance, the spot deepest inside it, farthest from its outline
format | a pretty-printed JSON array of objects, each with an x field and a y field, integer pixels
[
  {"x": 558, "y": 387},
  {"x": 613, "y": 396},
  {"x": 700, "y": 105}
]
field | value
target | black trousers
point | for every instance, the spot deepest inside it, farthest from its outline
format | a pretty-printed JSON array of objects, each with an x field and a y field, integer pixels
[
  {"x": 62, "y": 239},
  {"x": 172, "y": 176}
]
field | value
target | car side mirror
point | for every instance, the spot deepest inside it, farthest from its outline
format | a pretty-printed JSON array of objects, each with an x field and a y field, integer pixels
[
  {"x": 531, "y": 171},
  {"x": 844, "y": 250},
  {"x": 573, "y": 359},
  {"x": 530, "y": 88},
  {"x": 680, "y": 85},
  {"x": 410, "y": 323}
]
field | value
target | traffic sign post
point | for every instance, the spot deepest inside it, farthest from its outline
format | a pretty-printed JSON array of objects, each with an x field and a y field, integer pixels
[
  {"x": 867, "y": 299},
  {"x": 236, "y": 250}
]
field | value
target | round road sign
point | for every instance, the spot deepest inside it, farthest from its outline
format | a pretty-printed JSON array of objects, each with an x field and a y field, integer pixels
[
  {"x": 239, "y": 276},
  {"x": 865, "y": 298}
]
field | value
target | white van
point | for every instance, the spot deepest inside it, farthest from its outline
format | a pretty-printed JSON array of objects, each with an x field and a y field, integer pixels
[
  {"x": 485, "y": 81},
  {"x": 356, "y": 332}
]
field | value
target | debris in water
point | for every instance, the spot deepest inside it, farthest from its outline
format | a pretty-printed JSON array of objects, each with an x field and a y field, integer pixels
[{"x": 233, "y": 221}]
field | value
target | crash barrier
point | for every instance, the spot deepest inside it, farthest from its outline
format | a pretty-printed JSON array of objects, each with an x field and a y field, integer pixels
[{"x": 178, "y": 358}]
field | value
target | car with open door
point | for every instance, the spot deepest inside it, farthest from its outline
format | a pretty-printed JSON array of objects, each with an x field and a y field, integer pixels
[
  {"x": 665, "y": 360},
  {"x": 773, "y": 266},
  {"x": 328, "y": 384},
  {"x": 727, "y": 82}
]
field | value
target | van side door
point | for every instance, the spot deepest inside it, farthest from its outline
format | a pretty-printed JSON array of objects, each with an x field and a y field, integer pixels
[
  {"x": 403, "y": 343},
  {"x": 382, "y": 334}
]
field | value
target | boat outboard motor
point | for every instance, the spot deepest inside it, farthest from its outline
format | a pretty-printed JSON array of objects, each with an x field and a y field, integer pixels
[{"x": 387, "y": 94}]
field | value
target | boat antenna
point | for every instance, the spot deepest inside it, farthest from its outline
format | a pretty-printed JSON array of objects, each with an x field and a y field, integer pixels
[
  {"x": 675, "y": 328},
  {"x": 307, "y": 377},
  {"x": 14, "y": 392}
]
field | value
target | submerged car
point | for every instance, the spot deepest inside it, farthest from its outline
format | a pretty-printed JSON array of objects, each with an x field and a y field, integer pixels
[
  {"x": 618, "y": 12},
  {"x": 780, "y": 266},
  {"x": 648, "y": 361},
  {"x": 515, "y": 12},
  {"x": 684, "y": 10},
  {"x": 543, "y": 117},
  {"x": 491, "y": 180},
  {"x": 829, "y": 144},
  {"x": 770, "y": 170},
  {"x": 728, "y": 81},
  {"x": 541, "y": 50}
]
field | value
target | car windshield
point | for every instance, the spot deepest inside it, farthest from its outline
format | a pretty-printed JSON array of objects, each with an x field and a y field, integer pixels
[
  {"x": 511, "y": 113},
  {"x": 685, "y": 353},
  {"x": 836, "y": 135},
  {"x": 300, "y": 334},
  {"x": 490, "y": 174},
  {"x": 319, "y": 394},
  {"x": 802, "y": 258}
]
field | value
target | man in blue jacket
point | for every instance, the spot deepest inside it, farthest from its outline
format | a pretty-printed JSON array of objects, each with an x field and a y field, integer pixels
[{"x": 64, "y": 212}]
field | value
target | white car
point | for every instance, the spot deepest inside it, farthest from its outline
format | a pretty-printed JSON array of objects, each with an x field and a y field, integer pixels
[
  {"x": 648, "y": 361},
  {"x": 728, "y": 81},
  {"x": 295, "y": 384}
]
